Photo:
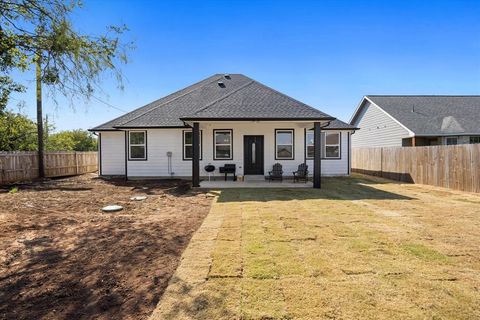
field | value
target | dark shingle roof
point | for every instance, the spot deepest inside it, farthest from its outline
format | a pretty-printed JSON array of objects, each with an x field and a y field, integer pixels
[
  {"x": 167, "y": 107},
  {"x": 257, "y": 101},
  {"x": 239, "y": 97},
  {"x": 339, "y": 124},
  {"x": 433, "y": 115}
]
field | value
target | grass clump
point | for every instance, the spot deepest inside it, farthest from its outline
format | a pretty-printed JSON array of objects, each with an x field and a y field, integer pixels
[{"x": 423, "y": 252}]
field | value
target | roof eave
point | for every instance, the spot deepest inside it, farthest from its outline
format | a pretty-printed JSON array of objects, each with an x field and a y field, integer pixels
[
  {"x": 333, "y": 128},
  {"x": 446, "y": 134},
  {"x": 102, "y": 129},
  {"x": 257, "y": 119}
]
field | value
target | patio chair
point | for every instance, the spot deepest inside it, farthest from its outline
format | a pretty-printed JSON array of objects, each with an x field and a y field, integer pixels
[
  {"x": 229, "y": 168},
  {"x": 276, "y": 173},
  {"x": 301, "y": 173}
]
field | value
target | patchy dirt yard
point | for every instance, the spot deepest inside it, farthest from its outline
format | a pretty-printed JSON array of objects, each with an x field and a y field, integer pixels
[
  {"x": 61, "y": 257},
  {"x": 360, "y": 248}
]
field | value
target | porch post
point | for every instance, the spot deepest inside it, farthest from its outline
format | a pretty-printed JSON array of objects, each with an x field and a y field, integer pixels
[
  {"x": 317, "y": 156},
  {"x": 196, "y": 156}
]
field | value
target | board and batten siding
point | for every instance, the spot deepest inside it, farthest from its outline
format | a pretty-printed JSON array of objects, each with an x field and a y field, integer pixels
[
  {"x": 112, "y": 153},
  {"x": 162, "y": 141},
  {"x": 377, "y": 128}
]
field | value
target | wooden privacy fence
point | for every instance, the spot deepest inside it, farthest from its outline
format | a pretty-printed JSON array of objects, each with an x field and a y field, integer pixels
[
  {"x": 23, "y": 166},
  {"x": 456, "y": 167}
]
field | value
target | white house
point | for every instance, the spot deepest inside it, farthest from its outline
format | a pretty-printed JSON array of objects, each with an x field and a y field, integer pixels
[
  {"x": 390, "y": 121},
  {"x": 235, "y": 120}
]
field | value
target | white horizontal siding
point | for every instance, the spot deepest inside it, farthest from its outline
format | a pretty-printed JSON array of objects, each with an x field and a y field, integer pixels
[
  {"x": 112, "y": 153},
  {"x": 335, "y": 167},
  {"x": 161, "y": 141},
  {"x": 377, "y": 129}
]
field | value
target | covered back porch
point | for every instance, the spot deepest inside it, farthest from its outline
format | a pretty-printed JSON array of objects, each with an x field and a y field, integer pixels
[{"x": 253, "y": 147}]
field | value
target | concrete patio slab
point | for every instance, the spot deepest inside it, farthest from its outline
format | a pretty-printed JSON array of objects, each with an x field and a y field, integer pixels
[{"x": 287, "y": 184}]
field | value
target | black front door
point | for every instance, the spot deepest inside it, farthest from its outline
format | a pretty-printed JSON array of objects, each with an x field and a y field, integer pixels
[{"x": 253, "y": 154}]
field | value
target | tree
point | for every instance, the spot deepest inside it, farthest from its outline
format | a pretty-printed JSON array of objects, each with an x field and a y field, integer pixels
[
  {"x": 40, "y": 33},
  {"x": 72, "y": 140},
  {"x": 17, "y": 132}
]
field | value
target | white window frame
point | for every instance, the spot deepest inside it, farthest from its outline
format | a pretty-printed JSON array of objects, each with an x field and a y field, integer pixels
[
  {"x": 191, "y": 144},
  {"x": 325, "y": 145},
  {"x": 144, "y": 145},
  {"x": 215, "y": 144},
  {"x": 292, "y": 132}
]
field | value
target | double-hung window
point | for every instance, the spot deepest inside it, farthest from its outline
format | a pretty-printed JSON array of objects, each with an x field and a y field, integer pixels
[
  {"x": 222, "y": 149},
  {"x": 137, "y": 143},
  {"x": 188, "y": 145},
  {"x": 332, "y": 145},
  {"x": 309, "y": 144},
  {"x": 284, "y": 144}
]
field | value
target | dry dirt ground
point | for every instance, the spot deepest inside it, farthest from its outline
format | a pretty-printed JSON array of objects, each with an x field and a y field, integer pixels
[
  {"x": 359, "y": 248},
  {"x": 61, "y": 257}
]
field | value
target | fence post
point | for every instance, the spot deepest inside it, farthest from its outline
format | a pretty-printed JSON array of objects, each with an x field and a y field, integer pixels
[
  {"x": 381, "y": 162},
  {"x": 76, "y": 163}
]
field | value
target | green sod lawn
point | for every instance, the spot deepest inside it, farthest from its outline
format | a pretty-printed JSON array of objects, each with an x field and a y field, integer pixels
[{"x": 360, "y": 248}]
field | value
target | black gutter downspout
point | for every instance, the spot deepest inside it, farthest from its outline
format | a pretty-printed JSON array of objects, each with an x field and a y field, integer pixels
[
  {"x": 100, "y": 154},
  {"x": 196, "y": 155},
  {"x": 126, "y": 155},
  {"x": 317, "y": 157},
  {"x": 349, "y": 151}
]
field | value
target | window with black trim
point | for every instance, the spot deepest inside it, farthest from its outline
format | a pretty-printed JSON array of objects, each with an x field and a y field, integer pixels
[
  {"x": 332, "y": 145},
  {"x": 188, "y": 145},
  {"x": 309, "y": 144},
  {"x": 284, "y": 144},
  {"x": 222, "y": 140},
  {"x": 451, "y": 141},
  {"x": 137, "y": 143},
  {"x": 475, "y": 140}
]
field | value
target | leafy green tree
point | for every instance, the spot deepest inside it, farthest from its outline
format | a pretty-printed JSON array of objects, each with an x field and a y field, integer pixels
[
  {"x": 72, "y": 140},
  {"x": 17, "y": 132},
  {"x": 61, "y": 141},
  {"x": 40, "y": 33}
]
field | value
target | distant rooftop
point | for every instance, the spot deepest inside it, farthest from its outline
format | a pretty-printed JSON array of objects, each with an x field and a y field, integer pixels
[{"x": 433, "y": 114}]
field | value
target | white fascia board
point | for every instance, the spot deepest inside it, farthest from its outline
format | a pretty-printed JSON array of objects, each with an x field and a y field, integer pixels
[
  {"x": 410, "y": 132},
  {"x": 357, "y": 110}
]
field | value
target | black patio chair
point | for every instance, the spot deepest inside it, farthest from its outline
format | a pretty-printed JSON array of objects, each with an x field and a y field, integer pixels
[
  {"x": 301, "y": 173},
  {"x": 229, "y": 168},
  {"x": 276, "y": 173}
]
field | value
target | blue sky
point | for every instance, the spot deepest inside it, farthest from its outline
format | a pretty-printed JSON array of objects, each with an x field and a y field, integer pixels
[{"x": 327, "y": 54}]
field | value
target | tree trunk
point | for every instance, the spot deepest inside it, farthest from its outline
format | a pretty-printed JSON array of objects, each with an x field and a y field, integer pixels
[{"x": 41, "y": 165}]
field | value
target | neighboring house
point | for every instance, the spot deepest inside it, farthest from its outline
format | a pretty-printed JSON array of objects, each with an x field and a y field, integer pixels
[
  {"x": 387, "y": 121},
  {"x": 236, "y": 120}
]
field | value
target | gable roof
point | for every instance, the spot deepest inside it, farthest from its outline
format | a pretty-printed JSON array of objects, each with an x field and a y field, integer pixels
[
  {"x": 219, "y": 97},
  {"x": 430, "y": 115}
]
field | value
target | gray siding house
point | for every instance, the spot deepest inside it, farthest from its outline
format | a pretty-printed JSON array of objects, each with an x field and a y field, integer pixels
[{"x": 389, "y": 121}]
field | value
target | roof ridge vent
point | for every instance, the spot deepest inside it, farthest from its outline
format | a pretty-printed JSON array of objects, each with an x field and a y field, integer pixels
[{"x": 221, "y": 84}]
